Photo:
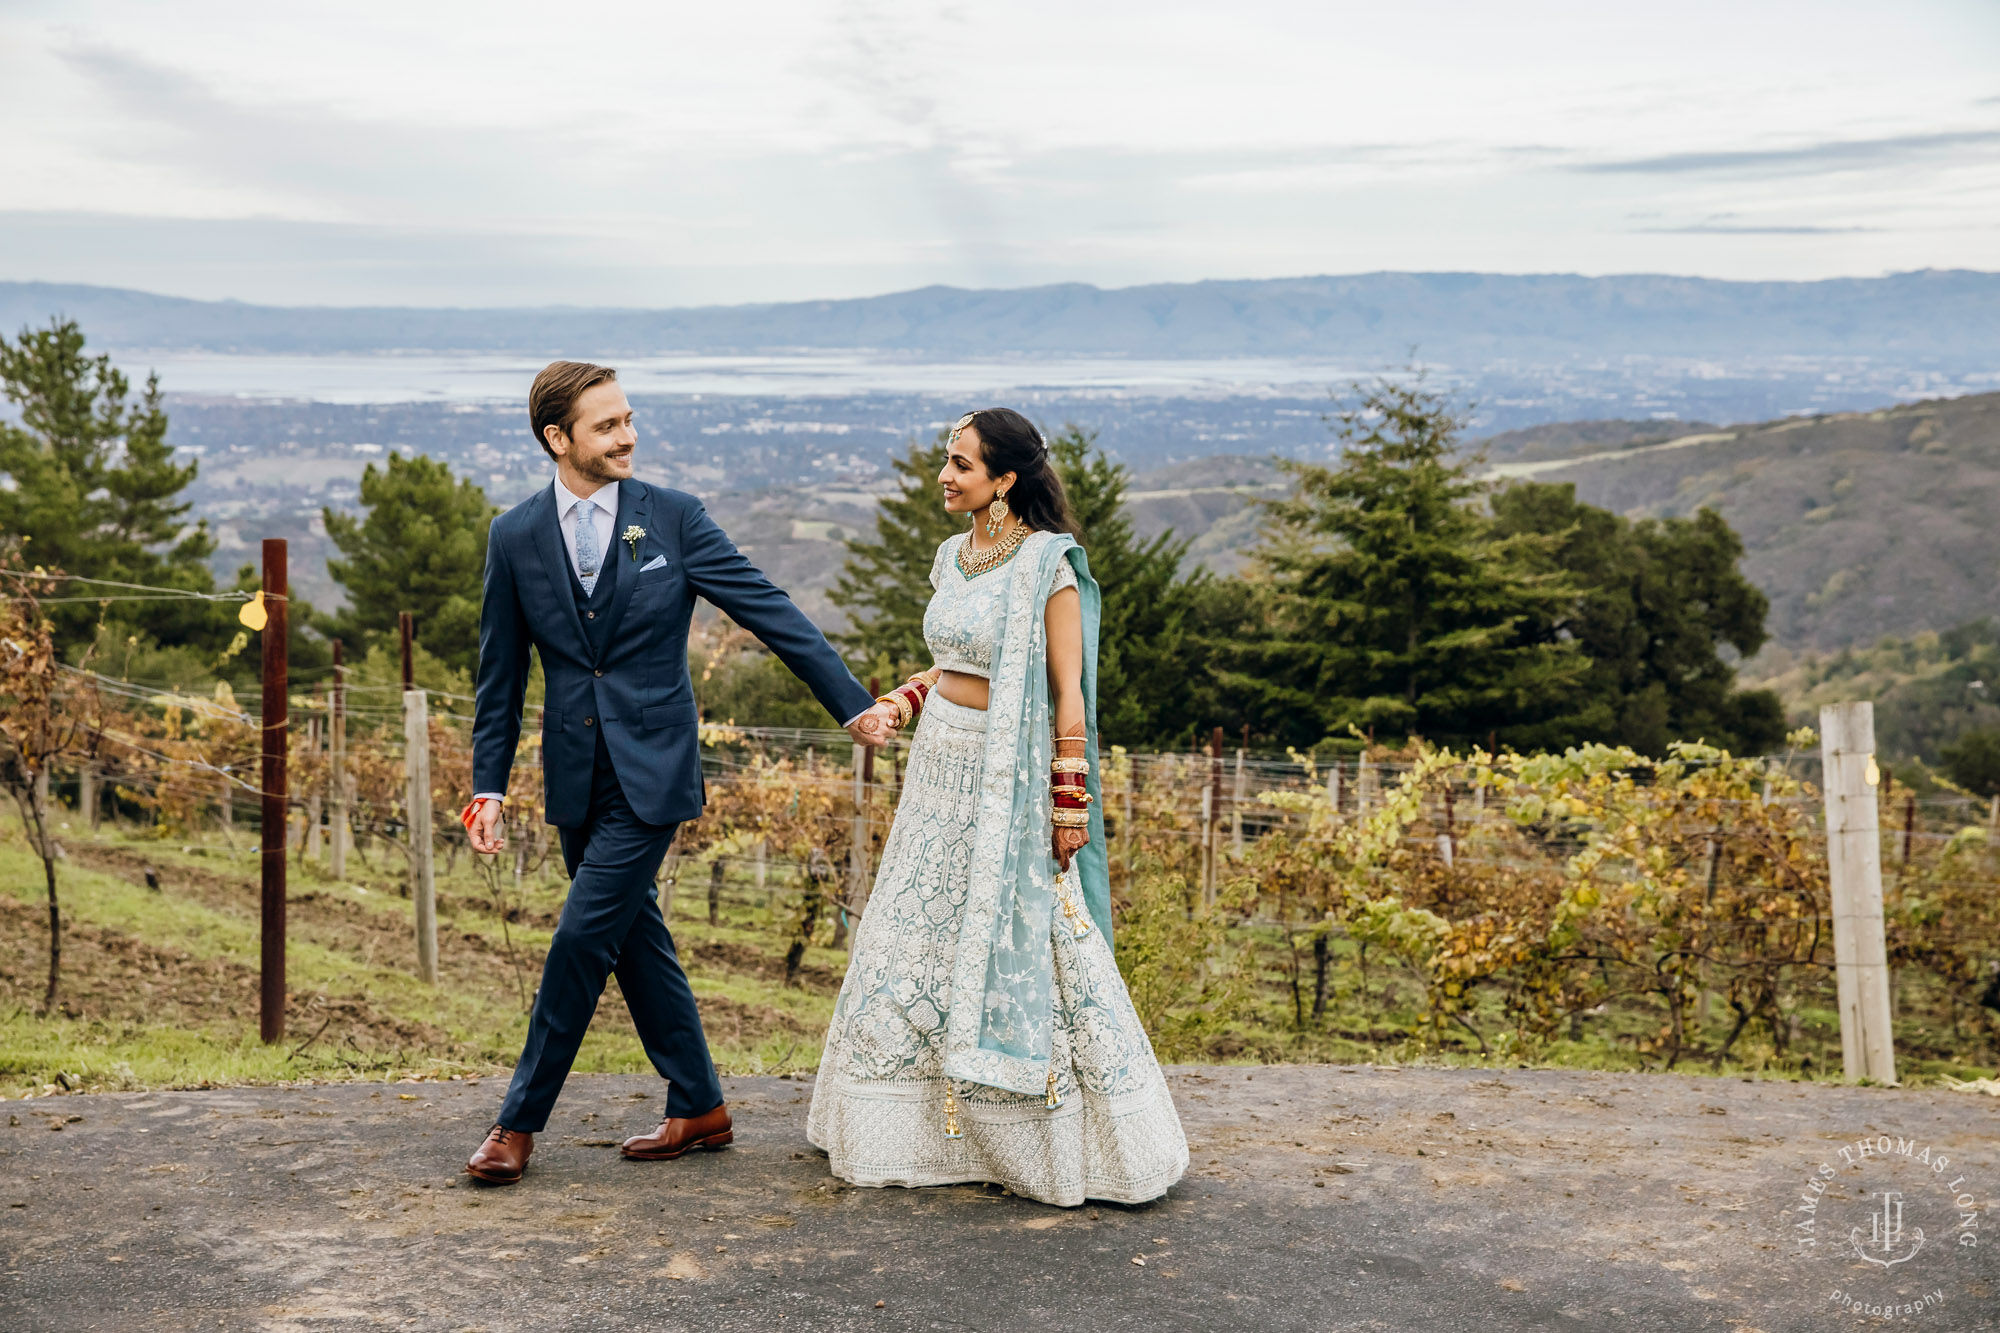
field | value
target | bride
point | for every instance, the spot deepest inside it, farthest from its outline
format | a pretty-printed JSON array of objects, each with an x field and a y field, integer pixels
[{"x": 982, "y": 1031}]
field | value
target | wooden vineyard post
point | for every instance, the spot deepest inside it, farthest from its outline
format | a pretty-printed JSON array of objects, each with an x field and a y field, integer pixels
[
  {"x": 1207, "y": 850},
  {"x": 1364, "y": 784},
  {"x": 1854, "y": 865},
  {"x": 86, "y": 796},
  {"x": 417, "y": 802},
  {"x": 1127, "y": 832},
  {"x": 1333, "y": 785},
  {"x": 857, "y": 850},
  {"x": 1241, "y": 794},
  {"x": 336, "y": 726},
  {"x": 1211, "y": 821},
  {"x": 309, "y": 845},
  {"x": 1448, "y": 840},
  {"x": 271, "y": 960}
]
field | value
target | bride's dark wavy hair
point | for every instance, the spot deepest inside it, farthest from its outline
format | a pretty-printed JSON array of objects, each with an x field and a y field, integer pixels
[{"x": 1009, "y": 442}]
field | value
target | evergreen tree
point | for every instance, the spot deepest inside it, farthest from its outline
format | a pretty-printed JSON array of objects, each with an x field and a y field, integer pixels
[
  {"x": 420, "y": 546},
  {"x": 1654, "y": 602},
  {"x": 886, "y": 582},
  {"x": 95, "y": 491},
  {"x": 1974, "y": 761},
  {"x": 1147, "y": 672},
  {"x": 1394, "y": 607}
]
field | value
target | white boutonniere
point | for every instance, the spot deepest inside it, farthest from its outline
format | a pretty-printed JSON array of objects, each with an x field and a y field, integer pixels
[{"x": 633, "y": 536}]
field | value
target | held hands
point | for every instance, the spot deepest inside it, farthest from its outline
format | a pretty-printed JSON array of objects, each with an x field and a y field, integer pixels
[{"x": 874, "y": 727}]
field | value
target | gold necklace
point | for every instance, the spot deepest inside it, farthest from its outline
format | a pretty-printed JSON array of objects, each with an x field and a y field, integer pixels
[{"x": 993, "y": 556}]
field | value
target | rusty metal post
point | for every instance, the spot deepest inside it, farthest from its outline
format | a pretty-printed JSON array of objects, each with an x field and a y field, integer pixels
[{"x": 272, "y": 835}]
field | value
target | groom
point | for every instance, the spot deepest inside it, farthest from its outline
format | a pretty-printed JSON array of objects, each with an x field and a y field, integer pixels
[{"x": 599, "y": 572}]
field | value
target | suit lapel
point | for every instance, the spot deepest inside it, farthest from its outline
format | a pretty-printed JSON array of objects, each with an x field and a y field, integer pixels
[
  {"x": 634, "y": 505},
  {"x": 544, "y": 525}
]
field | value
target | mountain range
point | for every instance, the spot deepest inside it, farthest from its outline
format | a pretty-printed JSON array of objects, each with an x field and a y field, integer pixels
[{"x": 1944, "y": 317}]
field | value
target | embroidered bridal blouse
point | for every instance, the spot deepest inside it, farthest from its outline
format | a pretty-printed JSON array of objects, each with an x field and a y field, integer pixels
[{"x": 962, "y": 623}]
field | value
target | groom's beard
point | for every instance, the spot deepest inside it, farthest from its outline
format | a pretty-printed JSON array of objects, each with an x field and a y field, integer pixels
[{"x": 599, "y": 469}]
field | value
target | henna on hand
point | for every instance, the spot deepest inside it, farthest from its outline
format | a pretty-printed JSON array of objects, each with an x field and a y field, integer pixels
[{"x": 1067, "y": 843}]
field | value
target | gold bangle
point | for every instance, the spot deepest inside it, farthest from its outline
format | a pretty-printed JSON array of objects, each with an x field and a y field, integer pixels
[
  {"x": 900, "y": 704},
  {"x": 1071, "y": 818},
  {"x": 1062, "y": 765}
]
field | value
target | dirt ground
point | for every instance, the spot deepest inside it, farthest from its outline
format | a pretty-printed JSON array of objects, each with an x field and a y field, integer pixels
[{"x": 1319, "y": 1197}]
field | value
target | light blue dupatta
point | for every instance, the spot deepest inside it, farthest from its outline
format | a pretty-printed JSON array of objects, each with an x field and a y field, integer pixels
[{"x": 1002, "y": 987}]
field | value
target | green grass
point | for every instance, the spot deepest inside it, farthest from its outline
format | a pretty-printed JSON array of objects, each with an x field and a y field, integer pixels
[
  {"x": 160, "y": 988},
  {"x": 356, "y": 1007}
]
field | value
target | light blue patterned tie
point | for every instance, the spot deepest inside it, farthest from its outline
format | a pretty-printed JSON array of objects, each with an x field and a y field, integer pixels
[{"x": 586, "y": 546}]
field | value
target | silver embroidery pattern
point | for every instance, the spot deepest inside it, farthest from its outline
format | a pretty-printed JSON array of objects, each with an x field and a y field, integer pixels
[
  {"x": 962, "y": 623},
  {"x": 877, "y": 1105}
]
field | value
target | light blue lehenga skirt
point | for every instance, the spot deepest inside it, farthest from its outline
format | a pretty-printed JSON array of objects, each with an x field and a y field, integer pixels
[{"x": 879, "y": 1104}]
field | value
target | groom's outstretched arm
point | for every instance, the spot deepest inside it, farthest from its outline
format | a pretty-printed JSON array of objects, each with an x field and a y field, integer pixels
[
  {"x": 722, "y": 574},
  {"x": 503, "y": 673}
]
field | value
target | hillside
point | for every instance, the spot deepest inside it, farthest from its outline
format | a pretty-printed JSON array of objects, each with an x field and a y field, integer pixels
[
  {"x": 1856, "y": 525},
  {"x": 1929, "y": 689},
  {"x": 1942, "y": 317}
]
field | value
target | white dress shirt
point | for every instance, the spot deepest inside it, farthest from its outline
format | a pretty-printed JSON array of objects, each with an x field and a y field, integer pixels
[{"x": 602, "y": 510}]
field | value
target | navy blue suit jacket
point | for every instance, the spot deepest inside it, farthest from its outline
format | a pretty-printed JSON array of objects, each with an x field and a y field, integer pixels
[{"x": 637, "y": 693}]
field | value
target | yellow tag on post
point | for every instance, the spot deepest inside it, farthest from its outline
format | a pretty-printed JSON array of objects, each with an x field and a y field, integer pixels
[{"x": 253, "y": 613}]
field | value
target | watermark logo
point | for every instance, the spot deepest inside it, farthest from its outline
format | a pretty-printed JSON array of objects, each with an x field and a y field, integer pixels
[
  {"x": 1889, "y": 1226},
  {"x": 1885, "y": 1234}
]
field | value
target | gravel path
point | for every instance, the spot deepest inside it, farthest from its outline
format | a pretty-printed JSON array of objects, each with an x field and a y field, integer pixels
[{"x": 1321, "y": 1197}]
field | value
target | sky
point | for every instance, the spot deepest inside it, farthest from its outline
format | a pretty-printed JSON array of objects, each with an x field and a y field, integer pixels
[{"x": 496, "y": 153}]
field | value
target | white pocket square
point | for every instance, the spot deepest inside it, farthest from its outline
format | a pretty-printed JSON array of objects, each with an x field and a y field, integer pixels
[{"x": 656, "y": 562}]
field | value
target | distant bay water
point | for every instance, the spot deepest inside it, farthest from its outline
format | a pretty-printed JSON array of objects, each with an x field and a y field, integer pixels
[{"x": 504, "y": 377}]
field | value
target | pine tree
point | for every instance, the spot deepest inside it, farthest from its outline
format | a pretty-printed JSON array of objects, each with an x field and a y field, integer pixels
[
  {"x": 420, "y": 547},
  {"x": 1147, "y": 674},
  {"x": 95, "y": 490},
  {"x": 1394, "y": 607},
  {"x": 885, "y": 584}
]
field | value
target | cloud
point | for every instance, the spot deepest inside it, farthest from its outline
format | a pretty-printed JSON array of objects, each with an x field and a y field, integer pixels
[
  {"x": 1829, "y": 155},
  {"x": 309, "y": 159},
  {"x": 1745, "y": 229}
]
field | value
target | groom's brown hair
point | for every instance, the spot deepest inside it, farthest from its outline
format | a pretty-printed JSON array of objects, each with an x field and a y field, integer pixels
[{"x": 552, "y": 399}]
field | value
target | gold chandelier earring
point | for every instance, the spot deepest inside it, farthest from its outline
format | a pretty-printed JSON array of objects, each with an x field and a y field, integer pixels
[{"x": 996, "y": 515}]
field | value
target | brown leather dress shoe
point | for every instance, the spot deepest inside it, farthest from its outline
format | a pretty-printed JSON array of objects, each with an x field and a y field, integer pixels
[
  {"x": 677, "y": 1135},
  {"x": 501, "y": 1159}
]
